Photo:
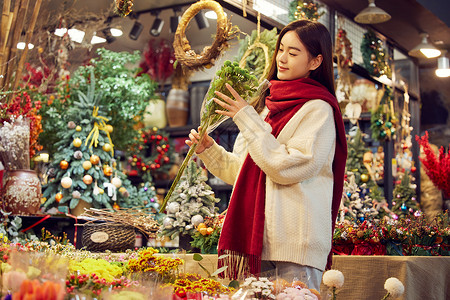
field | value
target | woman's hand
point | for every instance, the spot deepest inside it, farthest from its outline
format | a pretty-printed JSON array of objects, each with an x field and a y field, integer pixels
[
  {"x": 194, "y": 137},
  {"x": 233, "y": 106}
]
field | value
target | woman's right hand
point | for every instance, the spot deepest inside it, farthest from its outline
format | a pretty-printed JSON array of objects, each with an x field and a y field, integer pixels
[{"x": 194, "y": 137}]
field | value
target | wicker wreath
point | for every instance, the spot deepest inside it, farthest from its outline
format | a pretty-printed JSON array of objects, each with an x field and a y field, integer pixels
[
  {"x": 343, "y": 43},
  {"x": 187, "y": 57},
  {"x": 266, "y": 57}
]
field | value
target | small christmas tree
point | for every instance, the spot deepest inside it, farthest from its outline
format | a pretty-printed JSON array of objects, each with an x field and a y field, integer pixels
[
  {"x": 84, "y": 167},
  {"x": 355, "y": 158},
  {"x": 191, "y": 202},
  {"x": 404, "y": 201}
]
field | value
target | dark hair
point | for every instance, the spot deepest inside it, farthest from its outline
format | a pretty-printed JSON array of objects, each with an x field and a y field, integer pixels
[{"x": 317, "y": 40}]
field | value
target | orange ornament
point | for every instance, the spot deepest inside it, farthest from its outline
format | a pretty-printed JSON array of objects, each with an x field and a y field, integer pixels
[
  {"x": 87, "y": 179},
  {"x": 94, "y": 159},
  {"x": 64, "y": 165},
  {"x": 116, "y": 206},
  {"x": 108, "y": 171},
  {"x": 58, "y": 197}
]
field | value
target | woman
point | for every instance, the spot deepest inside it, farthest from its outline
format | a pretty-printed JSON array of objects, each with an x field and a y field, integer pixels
[{"x": 287, "y": 165}]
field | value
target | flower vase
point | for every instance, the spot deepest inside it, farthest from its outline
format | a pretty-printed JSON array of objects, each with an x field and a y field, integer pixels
[
  {"x": 22, "y": 192},
  {"x": 155, "y": 113},
  {"x": 177, "y": 107}
]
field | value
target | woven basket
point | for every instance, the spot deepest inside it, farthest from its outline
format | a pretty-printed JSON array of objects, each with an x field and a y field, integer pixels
[{"x": 108, "y": 236}]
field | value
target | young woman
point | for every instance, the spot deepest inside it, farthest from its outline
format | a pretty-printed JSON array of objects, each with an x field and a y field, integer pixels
[{"x": 287, "y": 165}]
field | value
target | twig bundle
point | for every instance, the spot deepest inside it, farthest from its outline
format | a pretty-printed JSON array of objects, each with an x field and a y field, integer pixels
[{"x": 139, "y": 218}]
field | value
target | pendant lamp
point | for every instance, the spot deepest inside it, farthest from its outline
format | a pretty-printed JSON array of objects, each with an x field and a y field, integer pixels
[
  {"x": 424, "y": 49},
  {"x": 372, "y": 15}
]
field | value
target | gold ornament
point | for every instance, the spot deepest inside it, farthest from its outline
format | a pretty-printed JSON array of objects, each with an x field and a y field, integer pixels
[
  {"x": 101, "y": 191},
  {"x": 364, "y": 177},
  {"x": 87, "y": 165},
  {"x": 106, "y": 147},
  {"x": 64, "y": 165},
  {"x": 77, "y": 142},
  {"x": 94, "y": 159},
  {"x": 87, "y": 179},
  {"x": 109, "y": 128},
  {"x": 66, "y": 182},
  {"x": 78, "y": 128}
]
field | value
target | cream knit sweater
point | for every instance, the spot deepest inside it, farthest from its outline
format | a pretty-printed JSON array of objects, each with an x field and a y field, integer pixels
[{"x": 299, "y": 179}]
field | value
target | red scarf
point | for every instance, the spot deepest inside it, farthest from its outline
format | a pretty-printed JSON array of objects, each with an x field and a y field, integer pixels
[{"x": 243, "y": 229}]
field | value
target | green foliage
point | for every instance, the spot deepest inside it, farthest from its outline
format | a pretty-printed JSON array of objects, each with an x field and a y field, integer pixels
[
  {"x": 255, "y": 61},
  {"x": 206, "y": 243},
  {"x": 10, "y": 230},
  {"x": 124, "y": 95},
  {"x": 304, "y": 9},
  {"x": 382, "y": 120},
  {"x": 374, "y": 56}
]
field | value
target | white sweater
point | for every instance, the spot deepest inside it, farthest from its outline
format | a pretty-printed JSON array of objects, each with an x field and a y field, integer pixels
[{"x": 299, "y": 179}]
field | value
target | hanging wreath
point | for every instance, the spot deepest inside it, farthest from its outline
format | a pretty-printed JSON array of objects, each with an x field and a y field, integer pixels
[
  {"x": 343, "y": 45},
  {"x": 304, "y": 10},
  {"x": 374, "y": 56},
  {"x": 383, "y": 120},
  {"x": 123, "y": 7},
  {"x": 184, "y": 54},
  {"x": 155, "y": 154}
]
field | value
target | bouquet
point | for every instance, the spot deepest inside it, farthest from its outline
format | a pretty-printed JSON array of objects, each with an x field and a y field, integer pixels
[
  {"x": 245, "y": 84},
  {"x": 15, "y": 143}
]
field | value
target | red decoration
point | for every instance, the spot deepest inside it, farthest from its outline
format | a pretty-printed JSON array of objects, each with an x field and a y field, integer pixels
[
  {"x": 437, "y": 168},
  {"x": 158, "y": 60}
]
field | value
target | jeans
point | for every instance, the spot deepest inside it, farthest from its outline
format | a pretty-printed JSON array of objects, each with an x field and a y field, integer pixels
[{"x": 292, "y": 272}]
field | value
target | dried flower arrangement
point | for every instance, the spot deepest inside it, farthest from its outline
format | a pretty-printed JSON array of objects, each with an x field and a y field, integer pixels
[{"x": 14, "y": 143}]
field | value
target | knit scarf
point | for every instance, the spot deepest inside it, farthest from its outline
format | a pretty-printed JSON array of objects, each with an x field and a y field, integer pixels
[{"x": 241, "y": 238}]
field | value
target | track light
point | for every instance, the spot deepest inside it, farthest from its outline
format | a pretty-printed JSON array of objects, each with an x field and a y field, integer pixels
[
  {"x": 424, "y": 49},
  {"x": 443, "y": 69},
  {"x": 202, "y": 21},
  {"x": 174, "y": 20},
  {"x": 108, "y": 36},
  {"x": 136, "y": 30},
  {"x": 157, "y": 26},
  {"x": 372, "y": 15}
]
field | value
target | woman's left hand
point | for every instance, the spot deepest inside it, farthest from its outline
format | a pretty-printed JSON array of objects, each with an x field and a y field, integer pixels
[{"x": 233, "y": 106}]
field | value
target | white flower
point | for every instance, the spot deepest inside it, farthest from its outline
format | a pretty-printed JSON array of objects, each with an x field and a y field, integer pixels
[
  {"x": 394, "y": 287},
  {"x": 333, "y": 278}
]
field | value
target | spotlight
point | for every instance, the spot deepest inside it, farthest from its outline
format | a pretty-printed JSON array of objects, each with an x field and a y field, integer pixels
[
  {"x": 136, "y": 30},
  {"x": 174, "y": 20},
  {"x": 201, "y": 20},
  {"x": 108, "y": 36},
  {"x": 157, "y": 26}
]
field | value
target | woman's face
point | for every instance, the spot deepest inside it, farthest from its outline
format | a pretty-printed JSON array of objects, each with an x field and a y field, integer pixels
[{"x": 293, "y": 59}]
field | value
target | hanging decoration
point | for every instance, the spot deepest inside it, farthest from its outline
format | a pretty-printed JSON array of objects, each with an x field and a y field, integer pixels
[
  {"x": 374, "y": 56},
  {"x": 123, "y": 7},
  {"x": 184, "y": 54},
  {"x": 157, "y": 61},
  {"x": 256, "y": 50},
  {"x": 304, "y": 10},
  {"x": 155, "y": 154},
  {"x": 383, "y": 120}
]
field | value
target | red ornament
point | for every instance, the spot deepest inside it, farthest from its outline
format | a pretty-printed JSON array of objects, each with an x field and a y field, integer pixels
[
  {"x": 413, "y": 169},
  {"x": 159, "y": 137}
]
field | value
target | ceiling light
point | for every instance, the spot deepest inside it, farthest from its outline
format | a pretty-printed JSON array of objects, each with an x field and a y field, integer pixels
[
  {"x": 372, "y": 15},
  {"x": 210, "y": 14},
  {"x": 424, "y": 49},
  {"x": 202, "y": 22},
  {"x": 157, "y": 25},
  {"x": 97, "y": 40},
  {"x": 21, "y": 46},
  {"x": 116, "y": 32},
  {"x": 443, "y": 69},
  {"x": 136, "y": 30},
  {"x": 76, "y": 35},
  {"x": 60, "y": 31}
]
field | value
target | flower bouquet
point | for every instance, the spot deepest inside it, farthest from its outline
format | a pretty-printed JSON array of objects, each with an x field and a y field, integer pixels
[{"x": 243, "y": 83}]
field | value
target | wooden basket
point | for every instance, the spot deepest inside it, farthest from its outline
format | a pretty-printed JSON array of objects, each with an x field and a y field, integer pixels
[{"x": 99, "y": 237}]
